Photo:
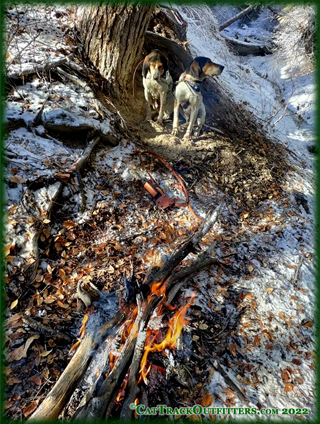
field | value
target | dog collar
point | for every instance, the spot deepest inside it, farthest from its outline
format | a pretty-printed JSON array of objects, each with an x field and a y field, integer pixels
[{"x": 196, "y": 85}]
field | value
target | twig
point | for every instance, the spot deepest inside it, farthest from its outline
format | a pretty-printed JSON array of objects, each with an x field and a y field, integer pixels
[
  {"x": 229, "y": 382},
  {"x": 45, "y": 329},
  {"x": 32, "y": 68}
]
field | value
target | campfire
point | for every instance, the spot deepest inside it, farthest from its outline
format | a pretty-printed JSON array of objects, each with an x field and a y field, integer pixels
[{"x": 114, "y": 361}]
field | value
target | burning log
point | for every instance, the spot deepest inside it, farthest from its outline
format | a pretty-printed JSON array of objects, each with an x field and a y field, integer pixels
[
  {"x": 57, "y": 398},
  {"x": 133, "y": 388},
  {"x": 53, "y": 404},
  {"x": 99, "y": 391},
  {"x": 97, "y": 406}
]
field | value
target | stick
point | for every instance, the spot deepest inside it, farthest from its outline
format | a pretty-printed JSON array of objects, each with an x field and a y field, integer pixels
[
  {"x": 53, "y": 404},
  {"x": 237, "y": 17},
  {"x": 45, "y": 329},
  {"x": 188, "y": 247},
  {"x": 32, "y": 68}
]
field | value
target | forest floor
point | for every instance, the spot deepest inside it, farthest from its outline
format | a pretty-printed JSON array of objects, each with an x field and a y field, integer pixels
[{"x": 253, "y": 313}]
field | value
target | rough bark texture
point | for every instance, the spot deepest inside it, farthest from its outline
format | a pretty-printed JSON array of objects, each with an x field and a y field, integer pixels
[{"x": 112, "y": 37}]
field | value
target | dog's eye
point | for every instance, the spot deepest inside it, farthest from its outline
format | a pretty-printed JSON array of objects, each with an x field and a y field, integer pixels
[{"x": 160, "y": 67}]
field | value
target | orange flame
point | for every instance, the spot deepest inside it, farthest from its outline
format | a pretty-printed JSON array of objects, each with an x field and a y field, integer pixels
[
  {"x": 112, "y": 362},
  {"x": 176, "y": 323},
  {"x": 83, "y": 325},
  {"x": 123, "y": 387},
  {"x": 159, "y": 288},
  {"x": 74, "y": 346}
]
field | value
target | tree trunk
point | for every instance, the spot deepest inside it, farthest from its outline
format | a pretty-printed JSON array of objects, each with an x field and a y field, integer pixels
[{"x": 113, "y": 37}]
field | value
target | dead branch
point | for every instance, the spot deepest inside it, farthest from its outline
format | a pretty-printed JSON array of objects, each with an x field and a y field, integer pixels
[
  {"x": 86, "y": 154},
  {"x": 229, "y": 382},
  {"x": 32, "y": 68},
  {"x": 133, "y": 389},
  {"x": 245, "y": 49},
  {"x": 97, "y": 105},
  {"x": 53, "y": 404},
  {"x": 187, "y": 247},
  {"x": 45, "y": 329},
  {"x": 236, "y": 18}
]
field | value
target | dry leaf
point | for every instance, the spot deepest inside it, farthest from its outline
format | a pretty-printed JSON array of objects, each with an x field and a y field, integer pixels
[
  {"x": 49, "y": 299},
  {"x": 257, "y": 340},
  {"x": 285, "y": 375},
  {"x": 203, "y": 326},
  {"x": 45, "y": 353},
  {"x": 36, "y": 379},
  {"x": 228, "y": 392},
  {"x": 13, "y": 380},
  {"x": 31, "y": 408},
  {"x": 269, "y": 290},
  {"x": 14, "y": 304},
  {"x": 233, "y": 349},
  {"x": 21, "y": 352},
  {"x": 16, "y": 179},
  {"x": 288, "y": 387},
  {"x": 308, "y": 324},
  {"x": 206, "y": 400}
]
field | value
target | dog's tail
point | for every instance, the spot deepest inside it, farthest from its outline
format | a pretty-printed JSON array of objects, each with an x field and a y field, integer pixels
[{"x": 134, "y": 75}]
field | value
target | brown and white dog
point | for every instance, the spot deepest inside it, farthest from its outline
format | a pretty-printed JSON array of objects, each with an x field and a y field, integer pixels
[
  {"x": 157, "y": 83},
  {"x": 188, "y": 92}
]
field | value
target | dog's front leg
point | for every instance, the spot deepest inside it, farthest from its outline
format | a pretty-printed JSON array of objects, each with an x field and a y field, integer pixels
[
  {"x": 175, "y": 126},
  {"x": 149, "y": 101},
  {"x": 193, "y": 117},
  {"x": 162, "y": 102}
]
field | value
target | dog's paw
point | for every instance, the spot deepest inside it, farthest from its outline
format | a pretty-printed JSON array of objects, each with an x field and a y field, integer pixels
[
  {"x": 175, "y": 132},
  {"x": 187, "y": 137},
  {"x": 159, "y": 121}
]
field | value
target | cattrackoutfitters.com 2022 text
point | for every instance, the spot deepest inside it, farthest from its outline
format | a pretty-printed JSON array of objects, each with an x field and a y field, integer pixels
[{"x": 198, "y": 409}]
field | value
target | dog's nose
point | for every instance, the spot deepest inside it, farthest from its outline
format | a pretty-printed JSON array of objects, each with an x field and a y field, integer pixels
[{"x": 221, "y": 68}]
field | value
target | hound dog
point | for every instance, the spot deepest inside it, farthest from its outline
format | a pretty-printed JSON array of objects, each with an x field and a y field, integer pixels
[
  {"x": 157, "y": 83},
  {"x": 188, "y": 92}
]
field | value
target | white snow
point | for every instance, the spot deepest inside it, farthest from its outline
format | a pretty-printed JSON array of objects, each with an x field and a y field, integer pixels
[{"x": 261, "y": 83}]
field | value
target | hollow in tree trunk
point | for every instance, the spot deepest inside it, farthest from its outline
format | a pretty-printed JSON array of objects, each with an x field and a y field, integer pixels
[{"x": 112, "y": 36}]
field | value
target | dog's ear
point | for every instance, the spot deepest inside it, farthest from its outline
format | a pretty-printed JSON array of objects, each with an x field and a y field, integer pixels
[
  {"x": 194, "y": 69},
  {"x": 145, "y": 67},
  {"x": 165, "y": 62}
]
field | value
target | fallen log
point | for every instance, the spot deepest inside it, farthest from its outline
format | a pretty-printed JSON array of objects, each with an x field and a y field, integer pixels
[
  {"x": 244, "y": 48},
  {"x": 19, "y": 71},
  {"x": 236, "y": 17}
]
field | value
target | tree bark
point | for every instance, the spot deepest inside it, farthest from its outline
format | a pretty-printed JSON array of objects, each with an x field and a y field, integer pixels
[{"x": 112, "y": 37}]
